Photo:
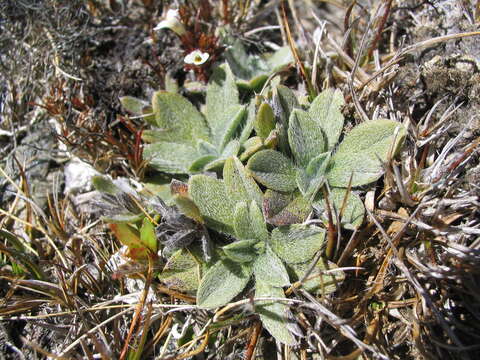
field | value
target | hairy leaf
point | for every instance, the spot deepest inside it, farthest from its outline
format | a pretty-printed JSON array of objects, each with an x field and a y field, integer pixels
[
  {"x": 105, "y": 185},
  {"x": 285, "y": 209},
  {"x": 201, "y": 163},
  {"x": 230, "y": 150},
  {"x": 362, "y": 152},
  {"x": 188, "y": 207},
  {"x": 252, "y": 145},
  {"x": 249, "y": 222},
  {"x": 305, "y": 137},
  {"x": 221, "y": 103},
  {"x": 258, "y": 223},
  {"x": 170, "y": 157},
  {"x": 182, "y": 270},
  {"x": 222, "y": 282},
  {"x": 284, "y": 101},
  {"x": 179, "y": 120},
  {"x": 312, "y": 178},
  {"x": 297, "y": 243},
  {"x": 248, "y": 126},
  {"x": 241, "y": 251},
  {"x": 280, "y": 58},
  {"x": 273, "y": 169},
  {"x": 240, "y": 184},
  {"x": 273, "y": 313},
  {"x": 325, "y": 110},
  {"x": 135, "y": 106},
  {"x": 214, "y": 203},
  {"x": 265, "y": 121},
  {"x": 242, "y": 222},
  {"x": 236, "y": 115},
  {"x": 269, "y": 269}
]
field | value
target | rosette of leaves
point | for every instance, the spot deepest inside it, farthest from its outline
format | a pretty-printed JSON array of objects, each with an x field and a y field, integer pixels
[
  {"x": 184, "y": 140},
  {"x": 254, "y": 70},
  {"x": 294, "y": 181},
  {"x": 232, "y": 206}
]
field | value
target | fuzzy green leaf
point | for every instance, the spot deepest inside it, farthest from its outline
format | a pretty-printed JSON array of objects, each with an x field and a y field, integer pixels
[
  {"x": 205, "y": 148},
  {"x": 240, "y": 184},
  {"x": 243, "y": 65},
  {"x": 252, "y": 145},
  {"x": 179, "y": 120},
  {"x": 312, "y": 178},
  {"x": 280, "y": 58},
  {"x": 273, "y": 169},
  {"x": 188, "y": 207},
  {"x": 273, "y": 313},
  {"x": 265, "y": 121},
  {"x": 354, "y": 210},
  {"x": 236, "y": 115},
  {"x": 242, "y": 224},
  {"x": 222, "y": 282},
  {"x": 318, "y": 282},
  {"x": 135, "y": 106},
  {"x": 104, "y": 184},
  {"x": 363, "y": 150},
  {"x": 249, "y": 222},
  {"x": 258, "y": 223},
  {"x": 170, "y": 157},
  {"x": 305, "y": 137},
  {"x": 147, "y": 235},
  {"x": 297, "y": 243},
  {"x": 241, "y": 251},
  {"x": 201, "y": 163},
  {"x": 269, "y": 269},
  {"x": 232, "y": 149},
  {"x": 248, "y": 126},
  {"x": 285, "y": 209},
  {"x": 222, "y": 102},
  {"x": 284, "y": 101},
  {"x": 215, "y": 205},
  {"x": 182, "y": 270},
  {"x": 325, "y": 110}
]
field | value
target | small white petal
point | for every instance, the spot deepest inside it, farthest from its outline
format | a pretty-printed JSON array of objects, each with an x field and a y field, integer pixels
[
  {"x": 196, "y": 57},
  {"x": 172, "y": 22}
]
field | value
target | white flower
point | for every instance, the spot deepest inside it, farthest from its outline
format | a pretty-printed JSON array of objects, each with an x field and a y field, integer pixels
[
  {"x": 196, "y": 57},
  {"x": 172, "y": 22}
]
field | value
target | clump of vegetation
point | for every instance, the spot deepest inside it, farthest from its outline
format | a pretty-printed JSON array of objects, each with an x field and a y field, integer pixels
[
  {"x": 187, "y": 142},
  {"x": 284, "y": 177}
]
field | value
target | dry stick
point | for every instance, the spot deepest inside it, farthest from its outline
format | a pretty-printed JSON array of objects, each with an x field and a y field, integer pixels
[
  {"x": 415, "y": 283},
  {"x": 140, "y": 306},
  {"x": 346, "y": 27},
  {"x": 381, "y": 25},
  {"x": 197, "y": 351},
  {"x": 39, "y": 227},
  {"x": 371, "y": 332},
  {"x": 330, "y": 228},
  {"x": 291, "y": 43},
  {"x": 353, "y": 94},
  {"x": 159, "y": 334},
  {"x": 338, "y": 323},
  {"x": 92, "y": 330},
  {"x": 252, "y": 343}
]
